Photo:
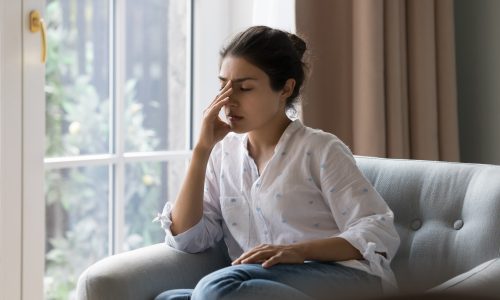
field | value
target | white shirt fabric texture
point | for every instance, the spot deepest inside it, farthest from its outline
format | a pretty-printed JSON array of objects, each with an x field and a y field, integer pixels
[{"x": 310, "y": 189}]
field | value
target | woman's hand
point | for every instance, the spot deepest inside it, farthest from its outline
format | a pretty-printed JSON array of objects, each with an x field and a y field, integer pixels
[
  {"x": 213, "y": 129},
  {"x": 271, "y": 255}
]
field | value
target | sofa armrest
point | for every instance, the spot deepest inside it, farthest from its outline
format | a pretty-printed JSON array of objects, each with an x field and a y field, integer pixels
[
  {"x": 146, "y": 272},
  {"x": 482, "y": 281}
]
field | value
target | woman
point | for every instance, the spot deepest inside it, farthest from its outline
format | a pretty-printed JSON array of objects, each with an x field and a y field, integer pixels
[{"x": 299, "y": 219}]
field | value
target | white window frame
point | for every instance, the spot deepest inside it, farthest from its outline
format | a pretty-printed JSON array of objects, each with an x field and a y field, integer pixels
[
  {"x": 22, "y": 205},
  {"x": 10, "y": 150},
  {"x": 22, "y": 229},
  {"x": 118, "y": 158}
]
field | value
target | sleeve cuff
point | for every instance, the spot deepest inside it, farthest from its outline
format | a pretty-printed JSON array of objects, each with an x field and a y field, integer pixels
[
  {"x": 378, "y": 264},
  {"x": 165, "y": 218},
  {"x": 182, "y": 240},
  {"x": 366, "y": 248}
]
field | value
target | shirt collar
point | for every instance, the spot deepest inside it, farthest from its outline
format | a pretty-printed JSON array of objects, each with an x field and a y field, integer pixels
[{"x": 289, "y": 130}]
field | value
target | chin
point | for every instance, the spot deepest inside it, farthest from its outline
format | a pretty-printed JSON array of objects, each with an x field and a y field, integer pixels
[{"x": 238, "y": 130}]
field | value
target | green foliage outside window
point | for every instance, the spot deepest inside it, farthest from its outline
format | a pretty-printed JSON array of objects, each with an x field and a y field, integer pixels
[{"x": 77, "y": 122}]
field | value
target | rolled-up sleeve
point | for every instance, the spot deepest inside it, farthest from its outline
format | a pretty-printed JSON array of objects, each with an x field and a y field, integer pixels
[
  {"x": 363, "y": 217},
  {"x": 208, "y": 230}
]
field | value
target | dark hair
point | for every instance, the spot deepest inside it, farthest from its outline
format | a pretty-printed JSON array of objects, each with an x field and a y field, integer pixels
[{"x": 278, "y": 53}]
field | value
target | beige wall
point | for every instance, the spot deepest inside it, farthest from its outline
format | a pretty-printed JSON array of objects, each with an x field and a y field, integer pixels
[{"x": 477, "y": 25}]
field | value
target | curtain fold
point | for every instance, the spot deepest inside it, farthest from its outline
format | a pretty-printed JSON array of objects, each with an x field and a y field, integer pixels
[{"x": 383, "y": 75}]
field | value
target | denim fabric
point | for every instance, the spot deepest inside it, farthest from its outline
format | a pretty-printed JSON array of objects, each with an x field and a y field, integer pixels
[{"x": 311, "y": 280}]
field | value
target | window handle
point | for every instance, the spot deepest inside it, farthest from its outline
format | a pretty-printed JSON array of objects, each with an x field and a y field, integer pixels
[{"x": 37, "y": 24}]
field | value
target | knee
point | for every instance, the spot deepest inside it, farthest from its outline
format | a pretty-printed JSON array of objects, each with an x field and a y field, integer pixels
[
  {"x": 219, "y": 284},
  {"x": 176, "y": 294}
]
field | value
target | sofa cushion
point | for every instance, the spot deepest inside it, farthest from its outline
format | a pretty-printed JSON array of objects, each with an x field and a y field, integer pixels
[
  {"x": 483, "y": 280},
  {"x": 446, "y": 215}
]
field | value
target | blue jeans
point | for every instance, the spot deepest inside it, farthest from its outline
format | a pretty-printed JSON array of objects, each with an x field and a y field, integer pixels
[{"x": 307, "y": 281}]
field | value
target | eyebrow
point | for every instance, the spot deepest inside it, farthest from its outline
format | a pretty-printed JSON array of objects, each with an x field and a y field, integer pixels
[{"x": 238, "y": 79}]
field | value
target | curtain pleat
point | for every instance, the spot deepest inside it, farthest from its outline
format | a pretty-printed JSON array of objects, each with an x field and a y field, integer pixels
[{"x": 383, "y": 75}]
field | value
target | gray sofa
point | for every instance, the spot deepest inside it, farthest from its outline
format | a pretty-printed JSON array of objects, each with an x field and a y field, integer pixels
[{"x": 447, "y": 215}]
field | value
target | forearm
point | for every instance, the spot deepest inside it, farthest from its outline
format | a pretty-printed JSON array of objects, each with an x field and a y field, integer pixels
[
  {"x": 188, "y": 208},
  {"x": 330, "y": 249}
]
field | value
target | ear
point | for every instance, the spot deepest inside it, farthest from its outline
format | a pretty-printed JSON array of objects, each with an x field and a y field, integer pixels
[{"x": 288, "y": 88}]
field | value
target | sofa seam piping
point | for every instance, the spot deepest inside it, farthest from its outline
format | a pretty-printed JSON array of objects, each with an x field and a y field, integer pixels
[{"x": 485, "y": 267}]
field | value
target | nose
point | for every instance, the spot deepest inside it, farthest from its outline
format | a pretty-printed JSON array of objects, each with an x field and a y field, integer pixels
[
  {"x": 232, "y": 101},
  {"x": 230, "y": 105}
]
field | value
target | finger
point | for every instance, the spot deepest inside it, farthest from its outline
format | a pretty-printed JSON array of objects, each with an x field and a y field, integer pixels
[
  {"x": 259, "y": 256},
  {"x": 243, "y": 256},
  {"x": 227, "y": 93},
  {"x": 220, "y": 98},
  {"x": 221, "y": 95},
  {"x": 253, "y": 250},
  {"x": 214, "y": 110},
  {"x": 228, "y": 86},
  {"x": 250, "y": 252},
  {"x": 262, "y": 246},
  {"x": 272, "y": 261},
  {"x": 217, "y": 105},
  {"x": 228, "y": 83}
]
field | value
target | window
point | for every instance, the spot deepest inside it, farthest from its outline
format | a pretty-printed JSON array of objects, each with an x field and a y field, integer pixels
[
  {"x": 126, "y": 84},
  {"x": 118, "y": 128}
]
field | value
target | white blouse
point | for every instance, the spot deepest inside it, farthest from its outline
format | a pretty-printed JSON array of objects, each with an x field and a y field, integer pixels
[{"x": 310, "y": 189}]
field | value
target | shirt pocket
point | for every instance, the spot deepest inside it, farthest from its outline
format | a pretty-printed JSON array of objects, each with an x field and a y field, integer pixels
[{"x": 236, "y": 215}]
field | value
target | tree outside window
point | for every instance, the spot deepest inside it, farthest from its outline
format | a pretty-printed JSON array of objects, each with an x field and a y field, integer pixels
[{"x": 81, "y": 120}]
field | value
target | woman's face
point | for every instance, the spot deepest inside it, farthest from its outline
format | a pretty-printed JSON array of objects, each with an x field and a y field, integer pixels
[{"x": 252, "y": 98}]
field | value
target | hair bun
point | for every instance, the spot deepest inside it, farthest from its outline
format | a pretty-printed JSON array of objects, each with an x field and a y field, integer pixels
[{"x": 298, "y": 43}]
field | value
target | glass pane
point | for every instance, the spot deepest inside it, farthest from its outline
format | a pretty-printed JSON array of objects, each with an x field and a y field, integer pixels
[
  {"x": 155, "y": 87},
  {"x": 76, "y": 224},
  {"x": 149, "y": 186},
  {"x": 77, "y": 84}
]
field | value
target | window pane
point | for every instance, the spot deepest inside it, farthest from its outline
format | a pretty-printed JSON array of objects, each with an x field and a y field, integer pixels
[
  {"x": 149, "y": 186},
  {"x": 155, "y": 87},
  {"x": 76, "y": 224},
  {"x": 77, "y": 97}
]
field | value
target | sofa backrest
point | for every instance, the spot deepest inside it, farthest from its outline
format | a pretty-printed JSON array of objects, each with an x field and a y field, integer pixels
[{"x": 447, "y": 215}]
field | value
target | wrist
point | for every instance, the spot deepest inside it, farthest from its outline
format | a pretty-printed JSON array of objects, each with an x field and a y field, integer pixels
[
  {"x": 301, "y": 250},
  {"x": 202, "y": 150}
]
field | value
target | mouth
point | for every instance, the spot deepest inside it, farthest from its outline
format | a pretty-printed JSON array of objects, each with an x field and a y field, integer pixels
[{"x": 233, "y": 118}]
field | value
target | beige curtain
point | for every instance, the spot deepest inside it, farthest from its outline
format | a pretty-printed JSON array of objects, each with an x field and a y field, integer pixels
[{"x": 382, "y": 75}]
